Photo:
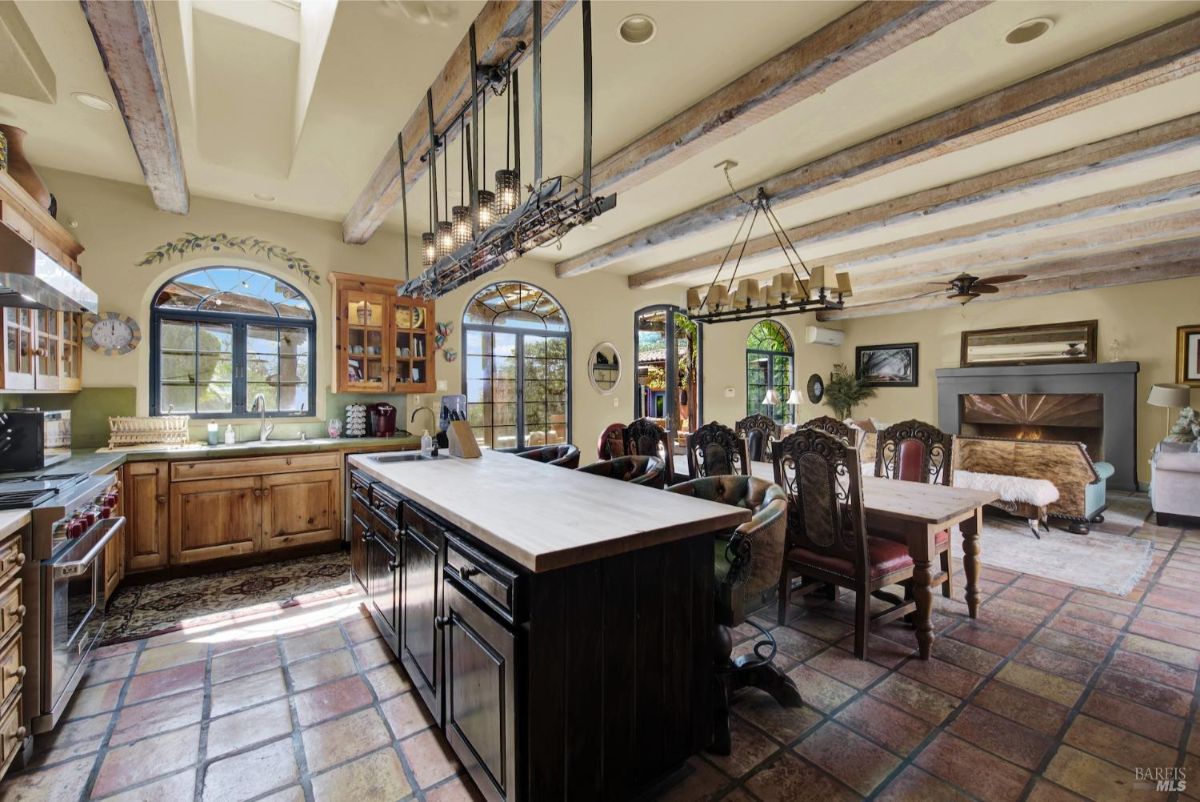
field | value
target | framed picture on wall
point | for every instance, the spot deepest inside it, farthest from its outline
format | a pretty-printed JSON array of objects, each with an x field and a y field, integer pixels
[
  {"x": 886, "y": 365},
  {"x": 1187, "y": 356}
]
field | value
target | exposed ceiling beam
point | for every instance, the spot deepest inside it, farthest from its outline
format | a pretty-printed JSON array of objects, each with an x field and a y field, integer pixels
[
  {"x": 1091, "y": 274},
  {"x": 1149, "y": 59},
  {"x": 863, "y": 36},
  {"x": 1118, "y": 151},
  {"x": 500, "y": 26},
  {"x": 126, "y": 35}
]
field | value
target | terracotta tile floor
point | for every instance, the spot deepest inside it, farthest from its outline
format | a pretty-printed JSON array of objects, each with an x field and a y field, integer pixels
[{"x": 1054, "y": 692}]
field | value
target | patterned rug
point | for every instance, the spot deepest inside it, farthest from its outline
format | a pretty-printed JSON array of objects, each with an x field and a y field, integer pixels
[{"x": 138, "y": 611}]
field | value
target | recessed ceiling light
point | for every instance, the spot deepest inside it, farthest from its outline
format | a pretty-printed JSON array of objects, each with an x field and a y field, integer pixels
[
  {"x": 1029, "y": 30},
  {"x": 637, "y": 29},
  {"x": 92, "y": 101},
  {"x": 264, "y": 197}
]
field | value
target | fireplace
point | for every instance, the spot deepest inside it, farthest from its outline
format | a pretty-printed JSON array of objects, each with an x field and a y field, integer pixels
[
  {"x": 1095, "y": 404},
  {"x": 1036, "y": 416}
]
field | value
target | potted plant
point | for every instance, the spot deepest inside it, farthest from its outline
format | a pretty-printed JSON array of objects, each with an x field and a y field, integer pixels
[{"x": 844, "y": 391}]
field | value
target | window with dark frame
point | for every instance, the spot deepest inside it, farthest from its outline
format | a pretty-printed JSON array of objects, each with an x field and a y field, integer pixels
[
  {"x": 516, "y": 367},
  {"x": 770, "y": 362},
  {"x": 221, "y": 336}
]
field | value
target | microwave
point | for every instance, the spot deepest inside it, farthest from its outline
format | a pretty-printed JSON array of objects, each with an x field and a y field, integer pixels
[{"x": 32, "y": 439}]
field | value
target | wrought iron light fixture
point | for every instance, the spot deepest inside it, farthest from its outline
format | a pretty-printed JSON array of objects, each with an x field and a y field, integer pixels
[
  {"x": 485, "y": 200},
  {"x": 788, "y": 293},
  {"x": 508, "y": 180},
  {"x": 462, "y": 214}
]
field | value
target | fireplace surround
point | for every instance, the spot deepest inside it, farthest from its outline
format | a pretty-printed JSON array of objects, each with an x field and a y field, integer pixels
[{"x": 1093, "y": 403}]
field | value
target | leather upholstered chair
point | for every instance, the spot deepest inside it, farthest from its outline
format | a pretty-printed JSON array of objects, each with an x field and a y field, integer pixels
[
  {"x": 832, "y": 426},
  {"x": 636, "y": 470},
  {"x": 760, "y": 432},
  {"x": 747, "y": 563},
  {"x": 828, "y": 542},
  {"x": 565, "y": 455},
  {"x": 914, "y": 451},
  {"x": 646, "y": 438},
  {"x": 716, "y": 450},
  {"x": 612, "y": 442}
]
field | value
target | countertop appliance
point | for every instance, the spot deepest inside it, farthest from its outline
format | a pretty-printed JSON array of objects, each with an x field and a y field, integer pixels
[
  {"x": 31, "y": 439},
  {"x": 382, "y": 419},
  {"x": 73, "y": 520}
]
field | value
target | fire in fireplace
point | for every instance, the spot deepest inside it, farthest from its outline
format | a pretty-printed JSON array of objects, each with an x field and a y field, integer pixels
[{"x": 1036, "y": 416}]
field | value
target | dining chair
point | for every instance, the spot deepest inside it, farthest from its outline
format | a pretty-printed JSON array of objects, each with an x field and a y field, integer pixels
[
  {"x": 564, "y": 455},
  {"x": 646, "y": 438},
  {"x": 612, "y": 442},
  {"x": 915, "y": 451},
  {"x": 828, "y": 542},
  {"x": 637, "y": 470},
  {"x": 760, "y": 432},
  {"x": 716, "y": 450},
  {"x": 832, "y": 426},
  {"x": 746, "y": 562}
]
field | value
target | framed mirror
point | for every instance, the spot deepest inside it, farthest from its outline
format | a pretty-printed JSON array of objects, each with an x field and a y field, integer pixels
[
  {"x": 604, "y": 368},
  {"x": 1045, "y": 344}
]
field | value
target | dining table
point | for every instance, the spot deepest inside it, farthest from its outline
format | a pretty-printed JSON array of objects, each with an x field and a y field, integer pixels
[{"x": 918, "y": 511}]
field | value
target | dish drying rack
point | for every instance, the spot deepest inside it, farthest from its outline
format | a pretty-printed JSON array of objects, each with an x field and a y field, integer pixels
[{"x": 166, "y": 430}]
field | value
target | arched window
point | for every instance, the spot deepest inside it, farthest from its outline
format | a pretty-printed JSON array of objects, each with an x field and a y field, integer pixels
[
  {"x": 770, "y": 364},
  {"x": 220, "y": 336},
  {"x": 516, "y": 366}
]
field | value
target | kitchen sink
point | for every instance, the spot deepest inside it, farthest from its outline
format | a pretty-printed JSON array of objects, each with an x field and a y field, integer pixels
[{"x": 405, "y": 456}]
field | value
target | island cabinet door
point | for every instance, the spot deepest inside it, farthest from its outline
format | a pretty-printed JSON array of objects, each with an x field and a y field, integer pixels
[
  {"x": 215, "y": 518},
  {"x": 359, "y": 531},
  {"x": 480, "y": 694},
  {"x": 383, "y": 564},
  {"x": 420, "y": 637}
]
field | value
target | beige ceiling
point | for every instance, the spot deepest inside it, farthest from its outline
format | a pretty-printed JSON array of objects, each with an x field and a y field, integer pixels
[{"x": 248, "y": 127}]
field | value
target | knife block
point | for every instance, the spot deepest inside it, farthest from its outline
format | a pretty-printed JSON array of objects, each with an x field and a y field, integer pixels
[{"x": 462, "y": 440}]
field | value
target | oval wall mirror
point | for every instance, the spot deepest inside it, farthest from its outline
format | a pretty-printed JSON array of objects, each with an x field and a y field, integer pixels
[{"x": 604, "y": 368}]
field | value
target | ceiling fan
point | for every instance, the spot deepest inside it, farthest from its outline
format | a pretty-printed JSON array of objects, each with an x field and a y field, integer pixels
[{"x": 964, "y": 287}]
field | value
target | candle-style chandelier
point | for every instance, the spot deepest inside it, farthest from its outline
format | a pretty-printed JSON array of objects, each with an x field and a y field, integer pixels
[
  {"x": 787, "y": 294},
  {"x": 490, "y": 228}
]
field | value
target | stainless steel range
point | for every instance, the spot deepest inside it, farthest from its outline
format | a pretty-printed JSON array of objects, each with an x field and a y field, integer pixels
[{"x": 72, "y": 522}]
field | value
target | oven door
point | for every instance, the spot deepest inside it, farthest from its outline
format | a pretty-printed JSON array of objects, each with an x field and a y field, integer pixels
[{"x": 73, "y": 581}]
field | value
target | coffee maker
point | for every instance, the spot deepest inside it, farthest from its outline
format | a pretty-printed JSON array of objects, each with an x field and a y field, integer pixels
[{"x": 382, "y": 419}]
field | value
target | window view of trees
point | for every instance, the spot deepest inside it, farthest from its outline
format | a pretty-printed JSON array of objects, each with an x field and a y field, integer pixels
[
  {"x": 680, "y": 414},
  {"x": 770, "y": 363}
]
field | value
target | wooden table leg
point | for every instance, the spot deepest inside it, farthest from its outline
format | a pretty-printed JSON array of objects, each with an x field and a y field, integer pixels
[
  {"x": 921, "y": 547},
  {"x": 971, "y": 528}
]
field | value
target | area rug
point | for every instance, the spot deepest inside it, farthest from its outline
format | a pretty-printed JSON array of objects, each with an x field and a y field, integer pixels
[
  {"x": 1107, "y": 559},
  {"x": 139, "y": 611}
]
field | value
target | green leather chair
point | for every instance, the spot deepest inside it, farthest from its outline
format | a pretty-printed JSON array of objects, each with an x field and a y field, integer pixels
[{"x": 747, "y": 562}]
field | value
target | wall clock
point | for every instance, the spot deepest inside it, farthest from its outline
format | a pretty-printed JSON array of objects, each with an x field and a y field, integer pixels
[
  {"x": 111, "y": 333},
  {"x": 816, "y": 388}
]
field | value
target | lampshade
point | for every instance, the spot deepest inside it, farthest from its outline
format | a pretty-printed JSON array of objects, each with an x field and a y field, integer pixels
[
  {"x": 462, "y": 225},
  {"x": 748, "y": 292},
  {"x": 485, "y": 204},
  {"x": 508, "y": 191},
  {"x": 1170, "y": 395},
  {"x": 783, "y": 285},
  {"x": 693, "y": 300},
  {"x": 821, "y": 279},
  {"x": 771, "y": 398},
  {"x": 843, "y": 283},
  {"x": 445, "y": 238},
  {"x": 794, "y": 398},
  {"x": 718, "y": 297}
]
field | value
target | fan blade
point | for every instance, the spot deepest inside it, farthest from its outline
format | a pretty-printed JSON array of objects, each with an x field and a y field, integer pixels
[
  {"x": 984, "y": 288},
  {"x": 1003, "y": 279}
]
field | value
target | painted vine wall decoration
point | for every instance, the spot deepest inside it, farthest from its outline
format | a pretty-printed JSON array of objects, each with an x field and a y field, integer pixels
[{"x": 191, "y": 243}]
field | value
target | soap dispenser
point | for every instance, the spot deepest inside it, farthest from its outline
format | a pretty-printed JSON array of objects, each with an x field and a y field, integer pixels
[
  {"x": 230, "y": 436},
  {"x": 426, "y": 444}
]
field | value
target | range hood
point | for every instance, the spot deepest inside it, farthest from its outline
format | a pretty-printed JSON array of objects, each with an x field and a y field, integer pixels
[{"x": 29, "y": 277}]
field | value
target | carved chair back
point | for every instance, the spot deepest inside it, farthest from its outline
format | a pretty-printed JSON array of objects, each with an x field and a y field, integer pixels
[
  {"x": 612, "y": 442},
  {"x": 563, "y": 455},
  {"x": 821, "y": 476},
  {"x": 760, "y": 433},
  {"x": 914, "y": 451},
  {"x": 646, "y": 438},
  {"x": 716, "y": 450},
  {"x": 832, "y": 426},
  {"x": 638, "y": 470}
]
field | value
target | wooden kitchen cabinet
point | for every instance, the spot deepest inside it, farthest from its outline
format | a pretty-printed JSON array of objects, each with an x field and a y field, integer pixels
[
  {"x": 215, "y": 518},
  {"x": 145, "y": 496},
  {"x": 43, "y": 350},
  {"x": 114, "y": 552},
  {"x": 383, "y": 343},
  {"x": 300, "y": 508}
]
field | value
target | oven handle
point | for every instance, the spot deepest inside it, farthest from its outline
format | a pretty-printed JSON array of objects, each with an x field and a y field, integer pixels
[{"x": 108, "y": 527}]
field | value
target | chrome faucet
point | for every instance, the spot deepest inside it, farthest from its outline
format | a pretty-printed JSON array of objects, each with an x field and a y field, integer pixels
[
  {"x": 264, "y": 429},
  {"x": 412, "y": 418}
]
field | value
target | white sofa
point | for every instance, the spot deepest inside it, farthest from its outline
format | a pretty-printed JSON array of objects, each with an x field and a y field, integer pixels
[{"x": 1175, "y": 481}]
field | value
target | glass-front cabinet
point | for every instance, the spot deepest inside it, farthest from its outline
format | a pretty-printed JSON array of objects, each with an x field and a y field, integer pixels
[
  {"x": 43, "y": 350},
  {"x": 382, "y": 342}
]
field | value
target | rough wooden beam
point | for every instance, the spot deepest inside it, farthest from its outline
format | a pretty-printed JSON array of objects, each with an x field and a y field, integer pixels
[
  {"x": 1165, "y": 54},
  {"x": 500, "y": 26},
  {"x": 863, "y": 36},
  {"x": 1133, "y": 274},
  {"x": 126, "y": 35},
  {"x": 1156, "y": 141}
]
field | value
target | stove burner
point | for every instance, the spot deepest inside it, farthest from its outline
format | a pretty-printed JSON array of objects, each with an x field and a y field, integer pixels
[
  {"x": 30, "y": 491},
  {"x": 20, "y": 499}
]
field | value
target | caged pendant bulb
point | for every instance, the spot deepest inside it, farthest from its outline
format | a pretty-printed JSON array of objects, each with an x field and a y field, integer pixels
[
  {"x": 485, "y": 204},
  {"x": 428, "y": 249},
  {"x": 445, "y": 238},
  {"x": 462, "y": 225},
  {"x": 508, "y": 191}
]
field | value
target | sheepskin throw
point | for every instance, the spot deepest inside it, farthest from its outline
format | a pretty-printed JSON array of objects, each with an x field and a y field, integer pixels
[{"x": 1038, "y": 492}]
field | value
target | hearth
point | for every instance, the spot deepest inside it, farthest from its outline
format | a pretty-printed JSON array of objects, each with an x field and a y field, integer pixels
[{"x": 1095, "y": 404}]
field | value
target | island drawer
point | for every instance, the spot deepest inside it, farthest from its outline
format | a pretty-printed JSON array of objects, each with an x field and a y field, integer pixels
[
  {"x": 386, "y": 506},
  {"x": 253, "y": 466},
  {"x": 485, "y": 579},
  {"x": 360, "y": 486}
]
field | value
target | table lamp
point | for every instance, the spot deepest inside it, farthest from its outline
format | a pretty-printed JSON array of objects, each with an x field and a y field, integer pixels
[
  {"x": 1170, "y": 395},
  {"x": 770, "y": 400}
]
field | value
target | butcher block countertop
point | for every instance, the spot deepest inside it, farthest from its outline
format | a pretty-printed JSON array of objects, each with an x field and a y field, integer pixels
[
  {"x": 544, "y": 517},
  {"x": 12, "y": 520}
]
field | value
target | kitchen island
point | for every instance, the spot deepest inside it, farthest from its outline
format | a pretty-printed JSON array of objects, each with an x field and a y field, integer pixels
[{"x": 558, "y": 626}]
